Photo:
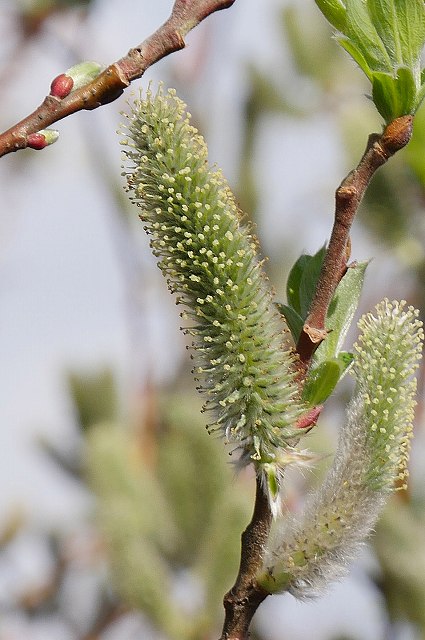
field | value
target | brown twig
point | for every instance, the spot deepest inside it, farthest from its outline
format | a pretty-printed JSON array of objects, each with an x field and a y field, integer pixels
[
  {"x": 379, "y": 149},
  {"x": 242, "y": 601},
  {"x": 109, "y": 85}
]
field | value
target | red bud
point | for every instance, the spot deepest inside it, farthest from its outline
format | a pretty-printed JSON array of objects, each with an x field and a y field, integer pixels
[
  {"x": 309, "y": 419},
  {"x": 42, "y": 138},
  {"x": 74, "y": 78},
  {"x": 61, "y": 86},
  {"x": 36, "y": 141}
]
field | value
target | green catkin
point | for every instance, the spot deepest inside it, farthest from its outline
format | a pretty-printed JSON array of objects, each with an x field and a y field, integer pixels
[
  {"x": 242, "y": 353},
  {"x": 304, "y": 554}
]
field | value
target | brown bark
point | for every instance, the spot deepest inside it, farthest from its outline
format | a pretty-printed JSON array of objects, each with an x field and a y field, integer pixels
[
  {"x": 379, "y": 149},
  {"x": 110, "y": 84}
]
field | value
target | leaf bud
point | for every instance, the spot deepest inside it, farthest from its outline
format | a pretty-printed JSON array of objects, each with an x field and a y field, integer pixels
[
  {"x": 42, "y": 139},
  {"x": 74, "y": 78},
  {"x": 61, "y": 86}
]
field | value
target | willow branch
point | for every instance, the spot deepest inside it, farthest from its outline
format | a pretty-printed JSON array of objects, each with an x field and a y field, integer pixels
[
  {"x": 379, "y": 149},
  {"x": 110, "y": 84},
  {"x": 242, "y": 601}
]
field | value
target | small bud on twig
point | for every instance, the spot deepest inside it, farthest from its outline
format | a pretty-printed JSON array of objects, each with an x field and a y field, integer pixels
[
  {"x": 397, "y": 134},
  {"x": 61, "y": 86},
  {"x": 42, "y": 138},
  {"x": 74, "y": 78}
]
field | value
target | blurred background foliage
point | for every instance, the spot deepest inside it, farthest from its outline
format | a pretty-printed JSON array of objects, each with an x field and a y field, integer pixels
[{"x": 167, "y": 509}]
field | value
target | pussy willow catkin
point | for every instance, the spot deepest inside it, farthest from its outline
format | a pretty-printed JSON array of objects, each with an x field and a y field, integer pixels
[
  {"x": 304, "y": 554},
  {"x": 241, "y": 350}
]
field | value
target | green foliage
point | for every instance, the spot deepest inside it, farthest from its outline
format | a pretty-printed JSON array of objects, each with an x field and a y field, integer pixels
[
  {"x": 341, "y": 312},
  {"x": 300, "y": 288},
  {"x": 294, "y": 320},
  {"x": 302, "y": 281},
  {"x": 329, "y": 363},
  {"x": 335, "y": 12},
  {"x": 323, "y": 377},
  {"x": 385, "y": 38}
]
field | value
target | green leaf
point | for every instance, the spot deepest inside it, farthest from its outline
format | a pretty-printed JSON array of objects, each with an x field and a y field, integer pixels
[
  {"x": 409, "y": 22},
  {"x": 341, "y": 312},
  {"x": 293, "y": 283},
  {"x": 385, "y": 38},
  {"x": 309, "y": 278},
  {"x": 300, "y": 288},
  {"x": 394, "y": 96},
  {"x": 412, "y": 29},
  {"x": 322, "y": 380},
  {"x": 345, "y": 358},
  {"x": 357, "y": 55},
  {"x": 302, "y": 281},
  {"x": 420, "y": 97},
  {"x": 335, "y": 12},
  {"x": 384, "y": 18},
  {"x": 293, "y": 319},
  {"x": 401, "y": 27},
  {"x": 362, "y": 32},
  {"x": 421, "y": 93},
  {"x": 384, "y": 95},
  {"x": 406, "y": 90}
]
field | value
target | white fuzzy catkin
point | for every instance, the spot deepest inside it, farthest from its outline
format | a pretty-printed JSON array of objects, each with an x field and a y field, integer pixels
[{"x": 304, "y": 554}]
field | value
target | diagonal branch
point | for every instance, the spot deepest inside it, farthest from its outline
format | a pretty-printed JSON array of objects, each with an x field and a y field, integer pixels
[
  {"x": 110, "y": 84},
  {"x": 379, "y": 149}
]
